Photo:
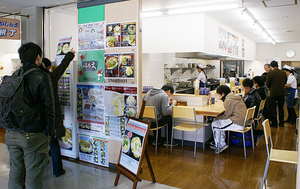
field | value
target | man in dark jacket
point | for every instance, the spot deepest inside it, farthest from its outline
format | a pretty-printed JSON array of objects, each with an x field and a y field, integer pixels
[
  {"x": 28, "y": 150},
  {"x": 59, "y": 129},
  {"x": 251, "y": 97},
  {"x": 275, "y": 82}
]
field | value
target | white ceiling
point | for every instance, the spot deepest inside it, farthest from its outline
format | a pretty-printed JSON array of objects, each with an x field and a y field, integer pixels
[{"x": 280, "y": 18}]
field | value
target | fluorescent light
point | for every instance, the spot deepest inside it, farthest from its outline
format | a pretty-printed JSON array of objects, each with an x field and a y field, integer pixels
[{"x": 151, "y": 14}]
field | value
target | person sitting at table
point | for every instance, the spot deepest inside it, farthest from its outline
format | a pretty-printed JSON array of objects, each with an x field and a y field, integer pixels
[
  {"x": 160, "y": 99},
  {"x": 231, "y": 119},
  {"x": 258, "y": 83},
  {"x": 251, "y": 97}
]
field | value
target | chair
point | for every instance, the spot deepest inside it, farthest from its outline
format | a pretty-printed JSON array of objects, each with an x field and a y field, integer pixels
[
  {"x": 284, "y": 156},
  {"x": 260, "y": 112},
  {"x": 150, "y": 112},
  {"x": 190, "y": 123},
  {"x": 248, "y": 122}
]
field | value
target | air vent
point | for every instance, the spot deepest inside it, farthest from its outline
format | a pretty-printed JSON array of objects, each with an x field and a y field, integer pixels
[{"x": 279, "y": 3}]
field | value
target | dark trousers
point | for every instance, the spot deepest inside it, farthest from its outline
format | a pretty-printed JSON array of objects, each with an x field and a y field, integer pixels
[
  {"x": 164, "y": 120},
  {"x": 277, "y": 101},
  {"x": 57, "y": 166},
  {"x": 292, "y": 115}
]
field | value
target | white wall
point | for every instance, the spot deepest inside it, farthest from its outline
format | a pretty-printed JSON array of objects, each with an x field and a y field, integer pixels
[
  {"x": 9, "y": 55},
  {"x": 59, "y": 25},
  {"x": 166, "y": 34}
]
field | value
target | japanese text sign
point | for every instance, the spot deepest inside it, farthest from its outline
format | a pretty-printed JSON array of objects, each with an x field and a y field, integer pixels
[{"x": 9, "y": 28}]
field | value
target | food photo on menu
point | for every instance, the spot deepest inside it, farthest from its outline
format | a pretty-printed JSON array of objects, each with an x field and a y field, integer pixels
[
  {"x": 132, "y": 145},
  {"x": 113, "y": 32},
  {"x": 66, "y": 141},
  {"x": 128, "y": 34},
  {"x": 130, "y": 109},
  {"x": 111, "y": 65},
  {"x": 126, "y": 65}
]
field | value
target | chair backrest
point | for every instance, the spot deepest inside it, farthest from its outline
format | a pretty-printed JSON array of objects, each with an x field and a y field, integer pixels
[
  {"x": 262, "y": 105},
  {"x": 267, "y": 130},
  {"x": 142, "y": 109},
  {"x": 249, "y": 115},
  {"x": 184, "y": 112},
  {"x": 149, "y": 112}
]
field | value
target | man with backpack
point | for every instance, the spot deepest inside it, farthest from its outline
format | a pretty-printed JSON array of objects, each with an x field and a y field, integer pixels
[{"x": 28, "y": 129}]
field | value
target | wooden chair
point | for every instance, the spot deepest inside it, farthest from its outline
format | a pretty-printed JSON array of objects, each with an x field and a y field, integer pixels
[
  {"x": 284, "y": 156},
  {"x": 248, "y": 122},
  {"x": 189, "y": 123},
  {"x": 150, "y": 112},
  {"x": 260, "y": 112}
]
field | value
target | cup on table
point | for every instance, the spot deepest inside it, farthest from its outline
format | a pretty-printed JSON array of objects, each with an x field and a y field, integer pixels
[{"x": 213, "y": 99}]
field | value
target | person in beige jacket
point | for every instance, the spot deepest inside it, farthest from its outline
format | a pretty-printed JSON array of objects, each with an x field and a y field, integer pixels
[{"x": 231, "y": 119}]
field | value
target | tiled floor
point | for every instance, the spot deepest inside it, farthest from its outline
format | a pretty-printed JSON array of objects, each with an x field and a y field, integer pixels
[{"x": 77, "y": 177}]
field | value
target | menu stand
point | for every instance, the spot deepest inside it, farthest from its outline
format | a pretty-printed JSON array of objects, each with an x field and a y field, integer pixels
[{"x": 134, "y": 175}]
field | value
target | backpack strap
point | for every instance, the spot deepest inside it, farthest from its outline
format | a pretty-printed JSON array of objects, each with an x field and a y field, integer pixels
[{"x": 27, "y": 72}]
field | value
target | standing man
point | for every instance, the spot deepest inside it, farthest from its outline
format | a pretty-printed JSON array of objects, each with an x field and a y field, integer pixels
[
  {"x": 160, "y": 99},
  {"x": 275, "y": 82},
  {"x": 59, "y": 129},
  {"x": 28, "y": 147},
  {"x": 267, "y": 68}
]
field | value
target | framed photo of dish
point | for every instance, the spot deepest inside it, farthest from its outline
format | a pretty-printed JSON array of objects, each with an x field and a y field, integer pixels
[
  {"x": 113, "y": 35},
  {"x": 126, "y": 65},
  {"x": 111, "y": 62},
  {"x": 133, "y": 145},
  {"x": 128, "y": 34}
]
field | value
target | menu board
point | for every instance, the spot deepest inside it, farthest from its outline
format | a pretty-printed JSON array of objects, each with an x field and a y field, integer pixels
[
  {"x": 90, "y": 108},
  {"x": 91, "y": 36},
  {"x": 91, "y": 66},
  {"x": 121, "y": 35},
  {"x": 63, "y": 46},
  {"x": 133, "y": 145},
  {"x": 93, "y": 149},
  {"x": 119, "y": 65},
  {"x": 64, "y": 91},
  {"x": 115, "y": 126}
]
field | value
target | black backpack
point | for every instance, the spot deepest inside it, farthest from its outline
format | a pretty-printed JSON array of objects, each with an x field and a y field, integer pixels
[{"x": 15, "y": 112}]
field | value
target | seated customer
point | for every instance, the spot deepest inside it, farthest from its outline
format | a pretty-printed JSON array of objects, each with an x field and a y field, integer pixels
[
  {"x": 231, "y": 119},
  {"x": 160, "y": 99},
  {"x": 251, "y": 97},
  {"x": 260, "y": 87}
]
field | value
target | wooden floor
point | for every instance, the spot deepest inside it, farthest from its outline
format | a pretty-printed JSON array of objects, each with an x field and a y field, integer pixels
[{"x": 226, "y": 170}]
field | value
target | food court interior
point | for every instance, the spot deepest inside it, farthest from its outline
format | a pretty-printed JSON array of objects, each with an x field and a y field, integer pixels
[{"x": 174, "y": 38}]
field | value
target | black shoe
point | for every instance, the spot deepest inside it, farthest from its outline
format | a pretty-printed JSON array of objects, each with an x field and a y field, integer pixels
[
  {"x": 63, "y": 172},
  {"x": 273, "y": 125}
]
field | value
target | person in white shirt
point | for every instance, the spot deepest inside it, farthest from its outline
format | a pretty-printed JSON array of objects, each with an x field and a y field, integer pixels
[
  {"x": 202, "y": 76},
  {"x": 291, "y": 93}
]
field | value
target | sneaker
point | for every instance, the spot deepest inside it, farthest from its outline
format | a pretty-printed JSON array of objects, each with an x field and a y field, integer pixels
[
  {"x": 212, "y": 143},
  {"x": 169, "y": 144},
  {"x": 221, "y": 149},
  {"x": 213, "y": 147},
  {"x": 158, "y": 143}
]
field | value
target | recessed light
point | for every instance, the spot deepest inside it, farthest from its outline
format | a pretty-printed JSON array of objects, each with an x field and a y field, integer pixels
[
  {"x": 287, "y": 30},
  {"x": 284, "y": 17}
]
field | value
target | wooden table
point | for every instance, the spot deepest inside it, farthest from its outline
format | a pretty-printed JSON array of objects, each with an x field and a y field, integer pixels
[{"x": 210, "y": 110}]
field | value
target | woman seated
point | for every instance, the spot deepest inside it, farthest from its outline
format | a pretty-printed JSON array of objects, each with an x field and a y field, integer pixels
[{"x": 231, "y": 119}]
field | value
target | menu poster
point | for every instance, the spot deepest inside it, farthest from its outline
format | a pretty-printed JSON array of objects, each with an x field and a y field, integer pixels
[
  {"x": 111, "y": 65},
  {"x": 235, "y": 45},
  {"x": 63, "y": 46},
  {"x": 222, "y": 39},
  {"x": 66, "y": 141},
  {"x": 229, "y": 42},
  {"x": 91, "y": 66},
  {"x": 91, "y": 36},
  {"x": 243, "y": 47},
  {"x": 128, "y": 34},
  {"x": 119, "y": 65},
  {"x": 115, "y": 126},
  {"x": 126, "y": 65},
  {"x": 93, "y": 150},
  {"x": 133, "y": 145},
  {"x": 120, "y": 101},
  {"x": 113, "y": 35},
  {"x": 90, "y": 108}
]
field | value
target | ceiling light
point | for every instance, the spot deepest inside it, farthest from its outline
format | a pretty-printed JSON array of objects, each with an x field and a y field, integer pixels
[{"x": 151, "y": 14}]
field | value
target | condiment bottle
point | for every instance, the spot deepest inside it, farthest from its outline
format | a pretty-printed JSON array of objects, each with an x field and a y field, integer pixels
[{"x": 196, "y": 87}]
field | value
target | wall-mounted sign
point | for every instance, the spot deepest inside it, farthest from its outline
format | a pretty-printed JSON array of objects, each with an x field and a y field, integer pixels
[{"x": 9, "y": 28}]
